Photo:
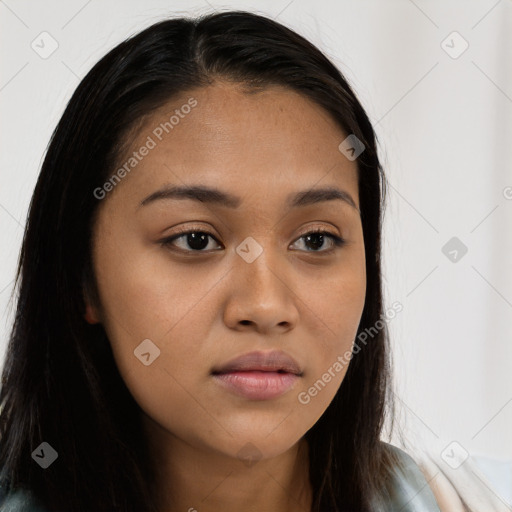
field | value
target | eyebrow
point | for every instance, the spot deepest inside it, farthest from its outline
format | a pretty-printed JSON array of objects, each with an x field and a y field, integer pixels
[{"x": 211, "y": 195}]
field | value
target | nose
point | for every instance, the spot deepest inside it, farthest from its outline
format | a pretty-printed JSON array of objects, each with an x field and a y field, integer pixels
[{"x": 261, "y": 296}]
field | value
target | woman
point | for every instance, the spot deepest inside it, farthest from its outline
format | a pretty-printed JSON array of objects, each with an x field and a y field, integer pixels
[{"x": 198, "y": 277}]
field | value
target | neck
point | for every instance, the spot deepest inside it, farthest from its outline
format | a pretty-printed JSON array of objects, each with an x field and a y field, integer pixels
[{"x": 201, "y": 479}]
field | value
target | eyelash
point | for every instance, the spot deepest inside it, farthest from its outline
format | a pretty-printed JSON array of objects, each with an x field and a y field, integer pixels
[{"x": 336, "y": 240}]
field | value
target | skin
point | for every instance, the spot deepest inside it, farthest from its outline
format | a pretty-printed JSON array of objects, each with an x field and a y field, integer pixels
[{"x": 204, "y": 308}]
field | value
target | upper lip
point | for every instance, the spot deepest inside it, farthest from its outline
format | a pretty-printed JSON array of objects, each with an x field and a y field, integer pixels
[{"x": 272, "y": 361}]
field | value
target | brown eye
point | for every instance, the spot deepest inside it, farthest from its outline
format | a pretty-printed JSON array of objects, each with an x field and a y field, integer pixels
[
  {"x": 193, "y": 241},
  {"x": 317, "y": 238}
]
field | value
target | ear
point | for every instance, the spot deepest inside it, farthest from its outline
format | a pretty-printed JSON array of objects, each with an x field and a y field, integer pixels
[{"x": 91, "y": 315}]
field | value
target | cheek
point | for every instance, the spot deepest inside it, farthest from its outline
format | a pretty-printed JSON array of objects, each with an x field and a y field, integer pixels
[
  {"x": 143, "y": 295},
  {"x": 335, "y": 298},
  {"x": 335, "y": 308},
  {"x": 144, "y": 298},
  {"x": 157, "y": 313}
]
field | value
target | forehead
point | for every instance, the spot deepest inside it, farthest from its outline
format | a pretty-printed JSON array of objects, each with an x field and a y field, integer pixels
[{"x": 273, "y": 142}]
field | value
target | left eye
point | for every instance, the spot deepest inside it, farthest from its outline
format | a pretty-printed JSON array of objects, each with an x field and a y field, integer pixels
[
  {"x": 198, "y": 240},
  {"x": 317, "y": 238}
]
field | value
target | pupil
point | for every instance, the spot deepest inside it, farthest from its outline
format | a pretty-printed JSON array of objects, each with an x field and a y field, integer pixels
[
  {"x": 317, "y": 236},
  {"x": 197, "y": 241}
]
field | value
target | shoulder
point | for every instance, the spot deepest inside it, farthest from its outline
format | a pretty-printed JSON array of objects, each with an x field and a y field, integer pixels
[
  {"x": 407, "y": 489},
  {"x": 17, "y": 500}
]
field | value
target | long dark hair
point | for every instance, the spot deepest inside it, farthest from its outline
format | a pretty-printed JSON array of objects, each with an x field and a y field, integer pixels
[{"x": 60, "y": 383}]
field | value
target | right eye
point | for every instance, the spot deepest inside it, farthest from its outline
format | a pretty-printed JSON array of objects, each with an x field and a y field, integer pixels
[{"x": 195, "y": 239}]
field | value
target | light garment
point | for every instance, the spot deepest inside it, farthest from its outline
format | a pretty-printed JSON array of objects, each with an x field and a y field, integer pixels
[
  {"x": 408, "y": 490},
  {"x": 463, "y": 490},
  {"x": 18, "y": 501}
]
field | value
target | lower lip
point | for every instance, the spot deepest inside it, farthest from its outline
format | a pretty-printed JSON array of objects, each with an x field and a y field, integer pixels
[{"x": 257, "y": 385}]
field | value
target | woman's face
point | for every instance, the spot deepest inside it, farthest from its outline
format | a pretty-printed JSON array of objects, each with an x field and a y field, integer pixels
[{"x": 176, "y": 311}]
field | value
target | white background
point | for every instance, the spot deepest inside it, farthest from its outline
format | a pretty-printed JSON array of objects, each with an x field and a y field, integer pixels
[{"x": 445, "y": 130}]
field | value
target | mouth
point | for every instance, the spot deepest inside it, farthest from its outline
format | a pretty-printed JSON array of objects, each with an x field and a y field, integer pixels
[
  {"x": 259, "y": 375},
  {"x": 257, "y": 384},
  {"x": 274, "y": 361},
  {"x": 254, "y": 370}
]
